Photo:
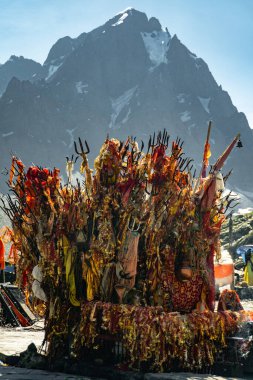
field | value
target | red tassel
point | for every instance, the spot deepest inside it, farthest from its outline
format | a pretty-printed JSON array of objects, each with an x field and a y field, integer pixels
[{"x": 2, "y": 261}]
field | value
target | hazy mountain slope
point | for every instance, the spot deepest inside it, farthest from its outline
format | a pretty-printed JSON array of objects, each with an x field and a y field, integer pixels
[
  {"x": 21, "y": 68},
  {"x": 128, "y": 76}
]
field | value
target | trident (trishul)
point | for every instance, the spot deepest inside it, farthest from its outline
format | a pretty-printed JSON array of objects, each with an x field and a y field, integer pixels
[{"x": 84, "y": 165}]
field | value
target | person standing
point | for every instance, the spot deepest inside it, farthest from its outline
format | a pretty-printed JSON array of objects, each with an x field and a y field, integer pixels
[{"x": 248, "y": 270}]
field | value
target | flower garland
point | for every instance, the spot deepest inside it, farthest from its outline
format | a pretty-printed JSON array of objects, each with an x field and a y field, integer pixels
[{"x": 159, "y": 339}]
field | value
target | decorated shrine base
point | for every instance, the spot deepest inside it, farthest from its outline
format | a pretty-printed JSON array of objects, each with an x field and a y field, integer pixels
[
  {"x": 147, "y": 338},
  {"x": 96, "y": 369}
]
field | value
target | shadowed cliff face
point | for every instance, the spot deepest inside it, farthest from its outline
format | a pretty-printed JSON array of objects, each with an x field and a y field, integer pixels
[{"x": 127, "y": 77}]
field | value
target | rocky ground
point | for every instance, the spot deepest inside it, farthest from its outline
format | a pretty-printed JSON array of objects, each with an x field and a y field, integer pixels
[
  {"x": 242, "y": 231},
  {"x": 13, "y": 373}
]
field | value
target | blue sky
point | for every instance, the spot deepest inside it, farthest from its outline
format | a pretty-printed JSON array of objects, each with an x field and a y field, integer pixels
[{"x": 219, "y": 31}]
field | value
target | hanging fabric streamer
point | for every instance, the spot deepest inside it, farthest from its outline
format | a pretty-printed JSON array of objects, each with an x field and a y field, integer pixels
[{"x": 2, "y": 250}]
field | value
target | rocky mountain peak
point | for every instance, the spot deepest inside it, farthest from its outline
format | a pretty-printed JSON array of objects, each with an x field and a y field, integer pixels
[
  {"x": 134, "y": 19},
  {"x": 20, "y": 67},
  {"x": 59, "y": 53},
  {"x": 126, "y": 77},
  {"x": 63, "y": 47},
  {"x": 15, "y": 58}
]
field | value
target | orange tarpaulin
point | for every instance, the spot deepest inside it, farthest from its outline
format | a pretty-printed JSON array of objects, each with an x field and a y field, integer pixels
[{"x": 223, "y": 273}]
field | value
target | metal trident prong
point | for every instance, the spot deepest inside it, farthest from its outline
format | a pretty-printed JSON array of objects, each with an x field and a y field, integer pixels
[
  {"x": 82, "y": 153},
  {"x": 134, "y": 226}
]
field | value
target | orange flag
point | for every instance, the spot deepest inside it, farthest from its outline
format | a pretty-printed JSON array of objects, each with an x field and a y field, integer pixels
[{"x": 207, "y": 152}]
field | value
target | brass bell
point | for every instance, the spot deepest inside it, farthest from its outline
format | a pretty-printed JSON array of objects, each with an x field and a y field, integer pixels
[{"x": 239, "y": 144}]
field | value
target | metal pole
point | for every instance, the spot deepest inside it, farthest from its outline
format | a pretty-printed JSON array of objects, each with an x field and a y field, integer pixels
[
  {"x": 2, "y": 277},
  {"x": 230, "y": 233}
]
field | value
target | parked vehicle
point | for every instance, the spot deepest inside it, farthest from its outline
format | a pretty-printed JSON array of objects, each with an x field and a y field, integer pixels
[{"x": 241, "y": 251}]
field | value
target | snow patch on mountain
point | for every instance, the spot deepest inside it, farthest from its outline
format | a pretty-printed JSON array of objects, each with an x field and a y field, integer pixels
[
  {"x": 126, "y": 117},
  {"x": 243, "y": 211},
  {"x": 157, "y": 45},
  {"x": 185, "y": 116},
  {"x": 7, "y": 134},
  {"x": 118, "y": 105},
  {"x": 82, "y": 88},
  {"x": 52, "y": 70},
  {"x": 181, "y": 98},
  {"x": 121, "y": 19},
  {"x": 125, "y": 11},
  {"x": 205, "y": 103}
]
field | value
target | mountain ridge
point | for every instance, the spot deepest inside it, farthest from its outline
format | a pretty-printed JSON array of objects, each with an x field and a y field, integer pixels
[{"x": 126, "y": 77}]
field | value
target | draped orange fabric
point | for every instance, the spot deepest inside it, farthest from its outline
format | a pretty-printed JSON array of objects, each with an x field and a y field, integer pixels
[
  {"x": 2, "y": 262},
  {"x": 207, "y": 153},
  {"x": 13, "y": 255},
  {"x": 206, "y": 156},
  {"x": 12, "y": 170}
]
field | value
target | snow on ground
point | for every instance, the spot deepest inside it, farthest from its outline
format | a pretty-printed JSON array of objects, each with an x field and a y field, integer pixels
[
  {"x": 16, "y": 339},
  {"x": 118, "y": 104},
  {"x": 185, "y": 116},
  {"x": 157, "y": 45},
  {"x": 205, "y": 103}
]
